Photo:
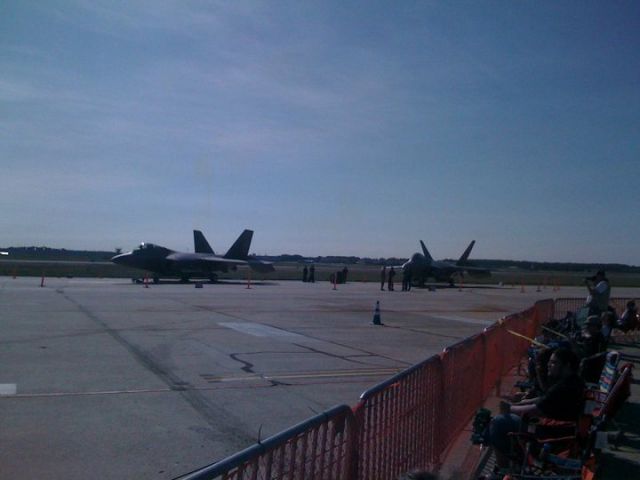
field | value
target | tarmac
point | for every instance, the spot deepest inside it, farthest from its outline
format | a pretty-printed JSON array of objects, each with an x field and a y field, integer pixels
[{"x": 108, "y": 377}]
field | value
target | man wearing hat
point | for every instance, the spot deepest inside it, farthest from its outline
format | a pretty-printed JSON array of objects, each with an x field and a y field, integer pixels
[{"x": 599, "y": 292}]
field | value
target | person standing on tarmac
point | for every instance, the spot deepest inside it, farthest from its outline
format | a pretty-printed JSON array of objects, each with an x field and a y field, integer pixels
[
  {"x": 406, "y": 278},
  {"x": 312, "y": 274},
  {"x": 305, "y": 272},
  {"x": 392, "y": 273},
  {"x": 383, "y": 276}
]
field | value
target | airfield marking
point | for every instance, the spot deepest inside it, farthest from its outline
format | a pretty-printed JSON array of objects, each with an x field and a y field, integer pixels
[
  {"x": 8, "y": 389},
  {"x": 83, "y": 394},
  {"x": 349, "y": 374},
  {"x": 304, "y": 375},
  {"x": 259, "y": 330},
  {"x": 472, "y": 321}
]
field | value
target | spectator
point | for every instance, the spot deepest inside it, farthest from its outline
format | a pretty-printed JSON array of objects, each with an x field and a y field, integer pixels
[
  {"x": 563, "y": 400},
  {"x": 629, "y": 318},
  {"x": 608, "y": 321},
  {"x": 305, "y": 272},
  {"x": 593, "y": 341},
  {"x": 383, "y": 276},
  {"x": 345, "y": 271},
  {"x": 599, "y": 293},
  {"x": 392, "y": 273},
  {"x": 539, "y": 374}
]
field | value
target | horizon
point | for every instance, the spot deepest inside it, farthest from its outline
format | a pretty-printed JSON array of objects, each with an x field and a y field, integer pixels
[
  {"x": 359, "y": 257},
  {"x": 338, "y": 126}
]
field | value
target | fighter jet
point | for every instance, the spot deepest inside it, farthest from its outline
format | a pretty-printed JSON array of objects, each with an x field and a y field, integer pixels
[
  {"x": 423, "y": 266},
  {"x": 163, "y": 262}
]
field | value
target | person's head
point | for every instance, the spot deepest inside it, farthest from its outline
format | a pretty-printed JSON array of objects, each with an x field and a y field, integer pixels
[
  {"x": 418, "y": 475},
  {"x": 563, "y": 362},
  {"x": 598, "y": 277},
  {"x": 631, "y": 305}
]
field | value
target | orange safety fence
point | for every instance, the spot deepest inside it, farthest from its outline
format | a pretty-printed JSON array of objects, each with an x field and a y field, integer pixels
[
  {"x": 399, "y": 422},
  {"x": 463, "y": 378},
  {"x": 544, "y": 312},
  {"x": 495, "y": 338},
  {"x": 320, "y": 448},
  {"x": 514, "y": 345},
  {"x": 408, "y": 421}
]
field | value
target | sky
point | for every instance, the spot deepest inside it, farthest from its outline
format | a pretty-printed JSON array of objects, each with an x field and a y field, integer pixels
[{"x": 327, "y": 127}]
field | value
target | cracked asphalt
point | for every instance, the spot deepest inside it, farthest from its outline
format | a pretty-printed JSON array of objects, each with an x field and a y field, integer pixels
[{"x": 106, "y": 376}]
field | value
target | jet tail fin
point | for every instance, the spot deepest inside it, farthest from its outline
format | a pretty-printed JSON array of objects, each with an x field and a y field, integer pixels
[
  {"x": 465, "y": 255},
  {"x": 200, "y": 243},
  {"x": 240, "y": 249},
  {"x": 426, "y": 253}
]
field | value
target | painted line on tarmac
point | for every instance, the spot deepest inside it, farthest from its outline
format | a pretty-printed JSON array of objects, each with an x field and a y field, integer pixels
[
  {"x": 88, "y": 394},
  {"x": 303, "y": 375},
  {"x": 259, "y": 330},
  {"x": 472, "y": 321},
  {"x": 7, "y": 389}
]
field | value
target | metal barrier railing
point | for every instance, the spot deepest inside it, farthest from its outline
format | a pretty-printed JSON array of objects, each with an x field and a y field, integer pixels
[
  {"x": 463, "y": 366},
  {"x": 408, "y": 421},
  {"x": 563, "y": 305},
  {"x": 399, "y": 422},
  {"x": 320, "y": 448},
  {"x": 494, "y": 362},
  {"x": 411, "y": 419}
]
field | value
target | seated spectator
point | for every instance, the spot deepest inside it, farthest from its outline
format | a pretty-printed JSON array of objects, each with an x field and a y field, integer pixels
[
  {"x": 629, "y": 318},
  {"x": 538, "y": 380},
  {"x": 593, "y": 341},
  {"x": 563, "y": 400},
  {"x": 608, "y": 320},
  {"x": 541, "y": 370},
  {"x": 591, "y": 367}
]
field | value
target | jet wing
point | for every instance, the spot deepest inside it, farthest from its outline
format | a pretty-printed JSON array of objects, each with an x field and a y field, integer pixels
[
  {"x": 261, "y": 266},
  {"x": 476, "y": 271},
  {"x": 196, "y": 257}
]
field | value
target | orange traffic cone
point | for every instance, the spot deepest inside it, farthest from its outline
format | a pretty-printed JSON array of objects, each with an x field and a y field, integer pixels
[{"x": 376, "y": 314}]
